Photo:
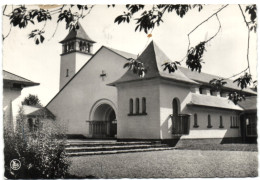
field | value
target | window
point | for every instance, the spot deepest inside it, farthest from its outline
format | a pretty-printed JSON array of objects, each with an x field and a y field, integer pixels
[
  {"x": 221, "y": 122},
  {"x": 131, "y": 106},
  {"x": 137, "y": 105},
  {"x": 209, "y": 122},
  {"x": 137, "y": 112},
  {"x": 67, "y": 72},
  {"x": 195, "y": 121},
  {"x": 211, "y": 92},
  {"x": 200, "y": 89},
  {"x": 144, "y": 105},
  {"x": 33, "y": 124},
  {"x": 234, "y": 122}
]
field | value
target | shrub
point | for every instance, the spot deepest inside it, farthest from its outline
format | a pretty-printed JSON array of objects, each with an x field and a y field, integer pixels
[{"x": 41, "y": 153}]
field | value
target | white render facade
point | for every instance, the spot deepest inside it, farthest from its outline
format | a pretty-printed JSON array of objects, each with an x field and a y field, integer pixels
[{"x": 104, "y": 100}]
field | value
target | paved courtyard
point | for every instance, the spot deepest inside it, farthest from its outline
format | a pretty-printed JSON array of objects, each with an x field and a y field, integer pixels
[{"x": 168, "y": 164}]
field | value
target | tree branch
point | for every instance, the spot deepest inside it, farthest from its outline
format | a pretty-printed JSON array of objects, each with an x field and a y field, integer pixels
[
  {"x": 4, "y": 37},
  {"x": 217, "y": 31},
  {"x": 4, "y": 9},
  {"x": 57, "y": 24},
  {"x": 237, "y": 74},
  {"x": 248, "y": 38},
  {"x": 208, "y": 18}
]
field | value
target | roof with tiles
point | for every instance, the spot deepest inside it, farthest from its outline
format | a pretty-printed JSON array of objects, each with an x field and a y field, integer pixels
[
  {"x": 213, "y": 101},
  {"x": 204, "y": 78},
  {"x": 10, "y": 77},
  {"x": 153, "y": 58},
  {"x": 249, "y": 104},
  {"x": 77, "y": 34}
]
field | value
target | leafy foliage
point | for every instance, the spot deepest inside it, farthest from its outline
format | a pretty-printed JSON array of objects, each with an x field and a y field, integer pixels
[
  {"x": 152, "y": 17},
  {"x": 42, "y": 154},
  {"x": 81, "y": 7},
  {"x": 217, "y": 84},
  {"x": 171, "y": 66},
  {"x": 70, "y": 19},
  {"x": 244, "y": 81},
  {"x": 32, "y": 100},
  {"x": 236, "y": 96},
  {"x": 37, "y": 35},
  {"x": 20, "y": 17},
  {"x": 252, "y": 11},
  {"x": 194, "y": 57},
  {"x": 41, "y": 15},
  {"x": 136, "y": 66}
]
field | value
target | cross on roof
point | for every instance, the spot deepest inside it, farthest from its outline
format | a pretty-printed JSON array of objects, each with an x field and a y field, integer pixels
[{"x": 103, "y": 75}]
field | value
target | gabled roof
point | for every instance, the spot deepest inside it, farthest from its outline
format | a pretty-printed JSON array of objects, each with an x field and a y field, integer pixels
[
  {"x": 249, "y": 104},
  {"x": 123, "y": 54},
  {"x": 31, "y": 111},
  {"x": 153, "y": 58},
  {"x": 213, "y": 101},
  {"x": 10, "y": 77},
  {"x": 77, "y": 34}
]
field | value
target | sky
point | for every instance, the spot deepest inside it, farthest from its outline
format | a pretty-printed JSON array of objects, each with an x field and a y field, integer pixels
[{"x": 225, "y": 55}]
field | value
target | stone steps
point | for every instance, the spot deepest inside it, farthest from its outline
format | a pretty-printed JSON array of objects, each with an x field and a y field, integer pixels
[
  {"x": 97, "y": 147},
  {"x": 117, "y": 151}
]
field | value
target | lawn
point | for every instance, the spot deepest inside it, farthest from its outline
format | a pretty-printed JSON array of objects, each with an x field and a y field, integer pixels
[{"x": 168, "y": 164}]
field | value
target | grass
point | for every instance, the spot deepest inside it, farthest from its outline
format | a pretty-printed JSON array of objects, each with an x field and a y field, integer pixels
[
  {"x": 167, "y": 164},
  {"x": 221, "y": 147}
]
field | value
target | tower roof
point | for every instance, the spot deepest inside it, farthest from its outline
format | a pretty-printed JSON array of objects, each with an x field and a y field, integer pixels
[
  {"x": 153, "y": 58},
  {"x": 77, "y": 34}
]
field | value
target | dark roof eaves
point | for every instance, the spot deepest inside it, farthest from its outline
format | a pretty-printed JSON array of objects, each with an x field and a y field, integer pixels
[
  {"x": 66, "y": 40},
  {"x": 193, "y": 104}
]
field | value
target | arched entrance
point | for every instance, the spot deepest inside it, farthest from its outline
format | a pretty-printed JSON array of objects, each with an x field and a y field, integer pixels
[{"x": 103, "y": 121}]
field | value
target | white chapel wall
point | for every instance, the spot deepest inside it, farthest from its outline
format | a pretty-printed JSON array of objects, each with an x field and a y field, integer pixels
[
  {"x": 139, "y": 126},
  {"x": 73, "y": 104},
  {"x": 169, "y": 92}
]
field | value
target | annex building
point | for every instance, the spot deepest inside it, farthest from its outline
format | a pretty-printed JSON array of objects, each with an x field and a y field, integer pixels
[{"x": 98, "y": 98}]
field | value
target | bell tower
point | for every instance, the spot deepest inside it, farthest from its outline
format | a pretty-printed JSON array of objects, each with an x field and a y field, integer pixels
[{"x": 77, "y": 49}]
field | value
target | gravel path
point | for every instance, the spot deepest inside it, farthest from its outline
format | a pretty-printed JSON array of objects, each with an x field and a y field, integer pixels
[{"x": 168, "y": 164}]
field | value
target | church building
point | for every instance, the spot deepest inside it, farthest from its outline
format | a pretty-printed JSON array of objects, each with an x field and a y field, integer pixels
[{"x": 98, "y": 98}]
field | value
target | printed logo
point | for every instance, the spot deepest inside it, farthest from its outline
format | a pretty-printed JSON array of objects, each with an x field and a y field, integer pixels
[{"x": 15, "y": 164}]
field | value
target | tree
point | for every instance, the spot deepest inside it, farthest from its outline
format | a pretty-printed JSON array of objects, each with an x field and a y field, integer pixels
[
  {"x": 146, "y": 20},
  {"x": 32, "y": 100}
]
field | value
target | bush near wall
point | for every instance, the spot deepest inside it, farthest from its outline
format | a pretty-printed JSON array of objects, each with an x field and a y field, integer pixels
[{"x": 41, "y": 153}]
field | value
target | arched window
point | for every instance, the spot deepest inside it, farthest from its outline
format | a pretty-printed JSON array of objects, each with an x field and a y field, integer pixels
[
  {"x": 144, "y": 105},
  {"x": 137, "y": 105},
  {"x": 209, "y": 121},
  {"x": 221, "y": 122},
  {"x": 131, "y": 106},
  {"x": 200, "y": 89},
  {"x": 175, "y": 107},
  {"x": 87, "y": 47},
  {"x": 195, "y": 121}
]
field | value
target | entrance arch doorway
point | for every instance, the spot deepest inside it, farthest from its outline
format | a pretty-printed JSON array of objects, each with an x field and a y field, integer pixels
[{"x": 103, "y": 121}]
